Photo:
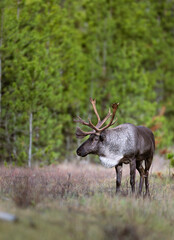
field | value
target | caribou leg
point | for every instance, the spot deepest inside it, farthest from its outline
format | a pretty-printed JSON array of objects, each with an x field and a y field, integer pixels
[
  {"x": 148, "y": 163},
  {"x": 141, "y": 172},
  {"x": 132, "y": 174},
  {"x": 118, "y": 169}
]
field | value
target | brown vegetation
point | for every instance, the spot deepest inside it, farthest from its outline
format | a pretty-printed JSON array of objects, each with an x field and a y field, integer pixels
[
  {"x": 75, "y": 202},
  {"x": 31, "y": 186}
]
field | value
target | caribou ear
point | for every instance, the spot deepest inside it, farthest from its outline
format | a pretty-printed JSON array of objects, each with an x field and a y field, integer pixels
[{"x": 80, "y": 133}]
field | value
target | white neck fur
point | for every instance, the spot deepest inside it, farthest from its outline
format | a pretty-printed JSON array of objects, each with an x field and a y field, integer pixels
[{"x": 110, "y": 162}]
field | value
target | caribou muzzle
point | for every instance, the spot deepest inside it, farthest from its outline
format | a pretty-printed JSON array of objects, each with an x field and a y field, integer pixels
[{"x": 81, "y": 153}]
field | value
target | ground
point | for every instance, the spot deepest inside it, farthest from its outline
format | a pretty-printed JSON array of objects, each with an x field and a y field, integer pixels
[{"x": 77, "y": 201}]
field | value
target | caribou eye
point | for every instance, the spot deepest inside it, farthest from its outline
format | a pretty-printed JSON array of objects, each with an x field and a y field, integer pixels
[
  {"x": 96, "y": 138},
  {"x": 102, "y": 138}
]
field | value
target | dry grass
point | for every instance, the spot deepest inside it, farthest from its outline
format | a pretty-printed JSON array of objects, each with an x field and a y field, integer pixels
[
  {"x": 31, "y": 186},
  {"x": 79, "y": 202}
]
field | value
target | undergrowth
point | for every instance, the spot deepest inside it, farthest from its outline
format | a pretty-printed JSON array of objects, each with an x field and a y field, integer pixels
[{"x": 79, "y": 202}]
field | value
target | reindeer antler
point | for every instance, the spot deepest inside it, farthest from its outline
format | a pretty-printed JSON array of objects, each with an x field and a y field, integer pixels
[
  {"x": 114, "y": 108},
  {"x": 96, "y": 129},
  {"x": 93, "y": 102}
]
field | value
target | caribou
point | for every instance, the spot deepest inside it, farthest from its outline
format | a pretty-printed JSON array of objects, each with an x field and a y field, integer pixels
[{"x": 125, "y": 143}]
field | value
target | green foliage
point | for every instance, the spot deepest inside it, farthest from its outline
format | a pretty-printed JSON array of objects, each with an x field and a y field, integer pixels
[
  {"x": 170, "y": 156},
  {"x": 57, "y": 54}
]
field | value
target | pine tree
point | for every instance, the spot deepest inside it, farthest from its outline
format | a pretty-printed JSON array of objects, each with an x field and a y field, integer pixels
[{"x": 54, "y": 55}]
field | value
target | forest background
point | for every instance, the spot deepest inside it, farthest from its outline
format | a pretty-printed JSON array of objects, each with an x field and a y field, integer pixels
[{"x": 56, "y": 54}]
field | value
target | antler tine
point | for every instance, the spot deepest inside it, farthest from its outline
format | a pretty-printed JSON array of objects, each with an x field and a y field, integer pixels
[
  {"x": 80, "y": 120},
  {"x": 114, "y": 122},
  {"x": 89, "y": 124},
  {"x": 93, "y": 102},
  {"x": 81, "y": 134},
  {"x": 92, "y": 126},
  {"x": 99, "y": 123},
  {"x": 114, "y": 108},
  {"x": 105, "y": 119}
]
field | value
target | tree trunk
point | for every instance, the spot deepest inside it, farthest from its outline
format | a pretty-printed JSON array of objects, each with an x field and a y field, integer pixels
[
  {"x": 18, "y": 9},
  {"x": 30, "y": 142},
  {"x": 68, "y": 144},
  {"x": 1, "y": 36}
]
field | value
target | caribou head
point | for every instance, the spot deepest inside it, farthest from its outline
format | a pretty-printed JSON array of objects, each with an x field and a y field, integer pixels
[{"x": 92, "y": 144}]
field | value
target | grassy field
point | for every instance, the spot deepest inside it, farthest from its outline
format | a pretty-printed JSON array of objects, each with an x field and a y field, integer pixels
[{"x": 78, "y": 202}]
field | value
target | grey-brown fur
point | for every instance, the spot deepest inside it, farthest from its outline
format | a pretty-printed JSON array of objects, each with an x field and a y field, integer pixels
[{"x": 125, "y": 143}]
